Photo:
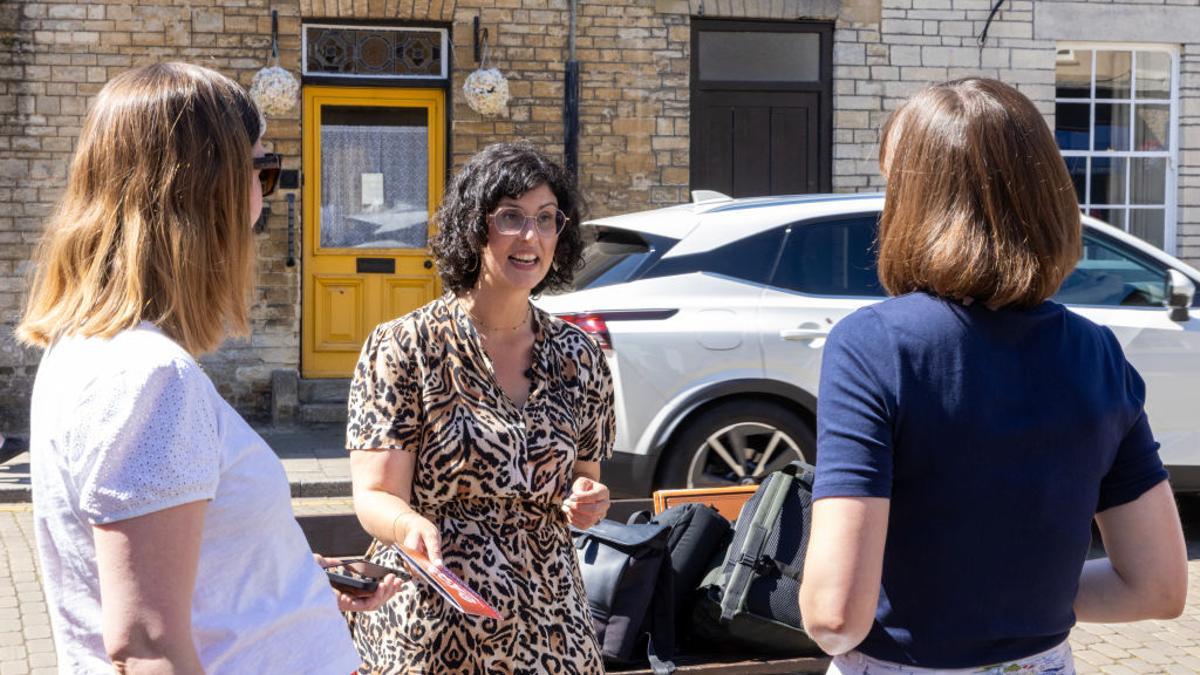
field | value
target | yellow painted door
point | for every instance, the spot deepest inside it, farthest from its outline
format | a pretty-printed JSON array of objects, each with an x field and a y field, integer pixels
[{"x": 374, "y": 164}]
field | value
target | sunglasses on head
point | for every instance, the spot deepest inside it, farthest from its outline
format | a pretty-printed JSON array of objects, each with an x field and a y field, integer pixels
[{"x": 268, "y": 167}]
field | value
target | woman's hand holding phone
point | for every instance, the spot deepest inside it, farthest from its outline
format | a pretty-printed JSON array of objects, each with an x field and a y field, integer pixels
[{"x": 348, "y": 602}]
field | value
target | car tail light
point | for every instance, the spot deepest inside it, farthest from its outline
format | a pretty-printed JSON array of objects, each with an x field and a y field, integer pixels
[
  {"x": 592, "y": 324},
  {"x": 596, "y": 323}
]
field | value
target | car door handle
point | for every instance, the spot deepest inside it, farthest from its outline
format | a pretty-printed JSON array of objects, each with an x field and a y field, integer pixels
[{"x": 794, "y": 334}]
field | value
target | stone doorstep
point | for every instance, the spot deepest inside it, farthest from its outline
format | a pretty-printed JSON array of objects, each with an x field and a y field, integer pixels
[
  {"x": 336, "y": 487},
  {"x": 15, "y": 494}
]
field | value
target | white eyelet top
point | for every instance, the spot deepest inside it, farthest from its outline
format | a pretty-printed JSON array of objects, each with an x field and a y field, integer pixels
[{"x": 131, "y": 425}]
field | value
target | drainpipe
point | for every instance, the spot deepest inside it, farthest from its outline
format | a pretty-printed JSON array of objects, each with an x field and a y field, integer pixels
[{"x": 571, "y": 105}]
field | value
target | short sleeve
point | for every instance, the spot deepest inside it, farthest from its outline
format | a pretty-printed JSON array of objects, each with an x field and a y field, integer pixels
[
  {"x": 856, "y": 411},
  {"x": 384, "y": 406},
  {"x": 1136, "y": 466},
  {"x": 148, "y": 441},
  {"x": 597, "y": 415}
]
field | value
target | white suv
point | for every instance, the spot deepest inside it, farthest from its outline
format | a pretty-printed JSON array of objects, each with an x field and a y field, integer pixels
[{"x": 714, "y": 315}]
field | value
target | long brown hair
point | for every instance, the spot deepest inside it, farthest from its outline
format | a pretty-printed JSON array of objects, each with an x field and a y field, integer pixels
[
  {"x": 979, "y": 203},
  {"x": 154, "y": 224}
]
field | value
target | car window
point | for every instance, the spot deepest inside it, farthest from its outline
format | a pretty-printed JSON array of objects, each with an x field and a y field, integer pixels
[
  {"x": 1109, "y": 274},
  {"x": 831, "y": 257},
  {"x": 750, "y": 259},
  {"x": 613, "y": 255}
]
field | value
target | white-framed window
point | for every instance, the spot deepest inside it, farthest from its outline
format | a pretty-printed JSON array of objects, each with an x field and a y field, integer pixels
[
  {"x": 378, "y": 52},
  {"x": 1117, "y": 125}
]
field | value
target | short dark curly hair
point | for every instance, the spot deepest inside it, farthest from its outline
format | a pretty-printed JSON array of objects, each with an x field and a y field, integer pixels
[{"x": 503, "y": 170}]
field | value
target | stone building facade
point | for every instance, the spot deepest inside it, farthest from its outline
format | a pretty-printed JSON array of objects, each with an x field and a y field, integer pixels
[{"x": 637, "y": 74}]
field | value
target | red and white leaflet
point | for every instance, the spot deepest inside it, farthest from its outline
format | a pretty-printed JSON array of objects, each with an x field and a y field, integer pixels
[{"x": 456, "y": 592}]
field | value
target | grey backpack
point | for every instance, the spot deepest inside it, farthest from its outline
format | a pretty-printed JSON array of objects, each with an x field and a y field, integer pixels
[{"x": 751, "y": 598}]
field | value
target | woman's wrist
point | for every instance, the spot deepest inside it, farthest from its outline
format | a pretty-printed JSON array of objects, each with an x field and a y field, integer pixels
[
  {"x": 395, "y": 537},
  {"x": 399, "y": 528}
]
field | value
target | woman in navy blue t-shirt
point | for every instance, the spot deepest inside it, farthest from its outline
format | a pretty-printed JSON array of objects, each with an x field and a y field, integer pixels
[{"x": 970, "y": 429}]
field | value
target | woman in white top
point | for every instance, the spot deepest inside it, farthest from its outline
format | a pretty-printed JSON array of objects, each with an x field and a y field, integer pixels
[{"x": 164, "y": 523}]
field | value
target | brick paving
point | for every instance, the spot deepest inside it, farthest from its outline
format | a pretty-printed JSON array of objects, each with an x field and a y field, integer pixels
[{"x": 1171, "y": 647}]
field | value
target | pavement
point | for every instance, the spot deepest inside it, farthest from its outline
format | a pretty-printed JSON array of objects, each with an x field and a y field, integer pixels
[
  {"x": 314, "y": 457},
  {"x": 319, "y": 472}
]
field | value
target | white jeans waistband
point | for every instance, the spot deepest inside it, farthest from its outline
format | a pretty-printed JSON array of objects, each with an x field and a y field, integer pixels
[{"x": 1056, "y": 660}]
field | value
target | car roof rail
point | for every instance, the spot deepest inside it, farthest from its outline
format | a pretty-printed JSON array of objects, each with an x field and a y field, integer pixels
[{"x": 706, "y": 196}]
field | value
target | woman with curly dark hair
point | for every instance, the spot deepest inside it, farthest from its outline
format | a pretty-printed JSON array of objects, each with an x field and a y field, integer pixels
[{"x": 477, "y": 425}]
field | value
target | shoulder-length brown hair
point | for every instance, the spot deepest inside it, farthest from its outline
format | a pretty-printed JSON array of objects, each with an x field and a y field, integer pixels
[
  {"x": 979, "y": 203},
  {"x": 154, "y": 224}
]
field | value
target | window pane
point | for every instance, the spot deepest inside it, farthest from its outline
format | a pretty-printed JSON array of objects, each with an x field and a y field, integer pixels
[
  {"x": 1114, "y": 217},
  {"x": 1073, "y": 73},
  {"x": 1071, "y": 125},
  {"x": 1152, "y": 127},
  {"x": 374, "y": 177},
  {"x": 1147, "y": 224},
  {"x": 1108, "y": 180},
  {"x": 778, "y": 57},
  {"x": 1077, "y": 167},
  {"x": 1108, "y": 276},
  {"x": 1113, "y": 74},
  {"x": 613, "y": 255},
  {"x": 1112, "y": 126},
  {"x": 1153, "y": 75},
  {"x": 831, "y": 258},
  {"x": 1148, "y": 182},
  {"x": 748, "y": 259}
]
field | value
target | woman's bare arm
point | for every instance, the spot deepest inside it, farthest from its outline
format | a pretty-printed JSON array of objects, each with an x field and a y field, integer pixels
[
  {"x": 843, "y": 568},
  {"x": 147, "y": 567},
  {"x": 1145, "y": 575}
]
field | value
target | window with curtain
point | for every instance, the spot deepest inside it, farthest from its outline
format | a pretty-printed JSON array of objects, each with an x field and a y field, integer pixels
[{"x": 374, "y": 178}]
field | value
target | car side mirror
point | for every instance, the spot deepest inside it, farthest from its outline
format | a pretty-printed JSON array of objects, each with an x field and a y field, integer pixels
[{"x": 1180, "y": 294}]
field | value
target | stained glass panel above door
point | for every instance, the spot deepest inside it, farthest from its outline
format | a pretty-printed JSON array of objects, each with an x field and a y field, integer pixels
[{"x": 375, "y": 52}]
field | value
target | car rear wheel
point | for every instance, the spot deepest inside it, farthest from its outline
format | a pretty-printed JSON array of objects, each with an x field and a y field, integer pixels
[{"x": 736, "y": 443}]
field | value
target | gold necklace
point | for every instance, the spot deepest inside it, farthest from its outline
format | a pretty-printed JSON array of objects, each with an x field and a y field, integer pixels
[{"x": 497, "y": 329}]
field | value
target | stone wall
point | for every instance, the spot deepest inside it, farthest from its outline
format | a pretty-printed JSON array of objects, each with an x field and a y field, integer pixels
[{"x": 53, "y": 58}]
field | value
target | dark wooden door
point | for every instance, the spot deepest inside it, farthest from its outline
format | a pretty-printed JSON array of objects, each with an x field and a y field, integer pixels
[
  {"x": 758, "y": 136},
  {"x": 757, "y": 143}
]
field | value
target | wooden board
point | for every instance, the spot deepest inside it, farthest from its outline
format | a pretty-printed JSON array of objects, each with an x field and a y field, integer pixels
[{"x": 726, "y": 500}]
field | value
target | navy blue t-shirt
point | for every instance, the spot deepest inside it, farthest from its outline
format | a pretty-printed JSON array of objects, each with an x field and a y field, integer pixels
[{"x": 997, "y": 435}]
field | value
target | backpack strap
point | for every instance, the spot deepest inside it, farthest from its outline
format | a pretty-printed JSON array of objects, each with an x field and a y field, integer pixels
[
  {"x": 790, "y": 571},
  {"x": 733, "y": 599},
  {"x": 660, "y": 648},
  {"x": 638, "y": 518}
]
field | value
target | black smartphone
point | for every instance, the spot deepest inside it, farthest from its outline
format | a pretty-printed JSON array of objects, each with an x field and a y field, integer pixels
[{"x": 356, "y": 577}]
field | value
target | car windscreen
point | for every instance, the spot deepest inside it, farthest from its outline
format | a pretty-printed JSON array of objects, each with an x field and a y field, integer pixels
[{"x": 613, "y": 255}]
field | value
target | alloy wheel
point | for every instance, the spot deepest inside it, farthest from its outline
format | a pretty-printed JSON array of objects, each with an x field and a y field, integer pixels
[{"x": 741, "y": 454}]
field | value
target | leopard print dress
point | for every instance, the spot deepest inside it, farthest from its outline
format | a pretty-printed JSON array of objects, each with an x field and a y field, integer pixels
[{"x": 492, "y": 477}]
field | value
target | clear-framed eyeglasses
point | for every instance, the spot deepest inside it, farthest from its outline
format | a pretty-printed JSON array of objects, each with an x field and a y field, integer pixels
[{"x": 512, "y": 220}]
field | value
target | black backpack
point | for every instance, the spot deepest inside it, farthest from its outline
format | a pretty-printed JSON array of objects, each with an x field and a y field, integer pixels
[
  {"x": 627, "y": 577},
  {"x": 698, "y": 532},
  {"x": 641, "y": 577},
  {"x": 751, "y": 600}
]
